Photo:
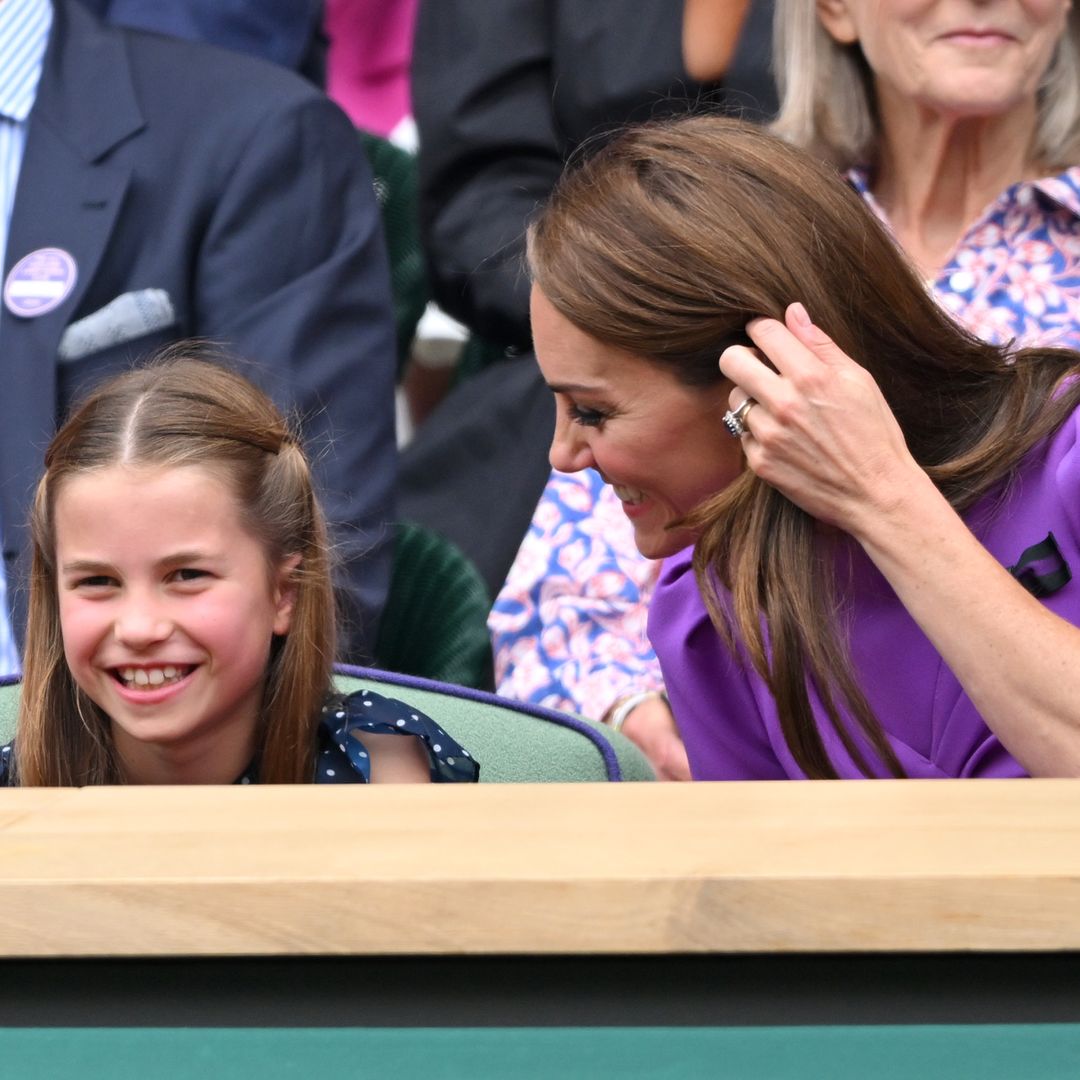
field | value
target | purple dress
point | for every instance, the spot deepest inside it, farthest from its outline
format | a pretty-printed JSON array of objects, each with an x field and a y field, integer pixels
[{"x": 729, "y": 720}]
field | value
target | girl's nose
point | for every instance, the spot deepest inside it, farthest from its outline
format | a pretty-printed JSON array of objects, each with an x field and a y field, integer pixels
[
  {"x": 142, "y": 625},
  {"x": 570, "y": 451}
]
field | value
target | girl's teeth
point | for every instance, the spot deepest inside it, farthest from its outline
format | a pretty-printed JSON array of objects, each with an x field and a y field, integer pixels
[{"x": 143, "y": 677}]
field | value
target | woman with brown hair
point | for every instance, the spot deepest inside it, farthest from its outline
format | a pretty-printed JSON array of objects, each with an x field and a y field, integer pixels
[
  {"x": 959, "y": 125},
  {"x": 845, "y": 608}
]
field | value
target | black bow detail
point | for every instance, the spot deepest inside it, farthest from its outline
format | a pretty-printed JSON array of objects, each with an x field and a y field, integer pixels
[{"x": 1041, "y": 568}]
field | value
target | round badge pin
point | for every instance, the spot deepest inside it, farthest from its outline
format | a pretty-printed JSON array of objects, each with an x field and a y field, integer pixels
[{"x": 40, "y": 282}]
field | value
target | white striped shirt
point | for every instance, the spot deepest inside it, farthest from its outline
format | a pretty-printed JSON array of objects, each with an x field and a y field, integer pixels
[{"x": 24, "y": 33}]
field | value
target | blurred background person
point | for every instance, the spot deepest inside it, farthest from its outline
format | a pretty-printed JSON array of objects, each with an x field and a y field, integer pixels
[
  {"x": 368, "y": 64},
  {"x": 504, "y": 92},
  {"x": 158, "y": 189}
]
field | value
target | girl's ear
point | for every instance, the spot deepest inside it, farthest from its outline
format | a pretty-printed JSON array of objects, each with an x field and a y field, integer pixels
[
  {"x": 285, "y": 593},
  {"x": 835, "y": 16}
]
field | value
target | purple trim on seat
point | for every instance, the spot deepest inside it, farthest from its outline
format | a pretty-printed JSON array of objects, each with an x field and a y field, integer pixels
[
  {"x": 10, "y": 680},
  {"x": 482, "y": 697}
]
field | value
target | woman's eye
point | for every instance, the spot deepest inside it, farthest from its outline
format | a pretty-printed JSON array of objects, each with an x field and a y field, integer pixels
[{"x": 587, "y": 417}]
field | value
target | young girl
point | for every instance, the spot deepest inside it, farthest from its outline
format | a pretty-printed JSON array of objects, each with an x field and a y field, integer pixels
[{"x": 181, "y": 625}]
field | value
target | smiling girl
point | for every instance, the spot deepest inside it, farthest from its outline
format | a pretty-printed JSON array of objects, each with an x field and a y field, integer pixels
[{"x": 181, "y": 626}]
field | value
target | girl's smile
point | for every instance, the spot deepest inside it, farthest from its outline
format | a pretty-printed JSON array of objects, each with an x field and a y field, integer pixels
[{"x": 168, "y": 608}]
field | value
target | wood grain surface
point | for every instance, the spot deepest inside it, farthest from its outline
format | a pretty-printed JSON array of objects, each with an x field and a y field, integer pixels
[{"x": 575, "y": 868}]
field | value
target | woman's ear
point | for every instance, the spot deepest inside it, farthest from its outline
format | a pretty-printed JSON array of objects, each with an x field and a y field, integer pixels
[
  {"x": 285, "y": 593},
  {"x": 835, "y": 16}
]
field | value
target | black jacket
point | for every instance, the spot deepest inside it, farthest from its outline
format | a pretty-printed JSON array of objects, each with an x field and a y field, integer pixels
[{"x": 504, "y": 91}]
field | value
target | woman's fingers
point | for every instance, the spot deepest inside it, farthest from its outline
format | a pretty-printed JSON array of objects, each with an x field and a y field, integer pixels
[
  {"x": 797, "y": 348},
  {"x": 798, "y": 322},
  {"x": 751, "y": 376},
  {"x": 821, "y": 431},
  {"x": 796, "y": 353},
  {"x": 793, "y": 363}
]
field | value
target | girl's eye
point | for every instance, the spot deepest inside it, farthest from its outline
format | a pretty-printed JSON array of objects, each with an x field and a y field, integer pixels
[
  {"x": 189, "y": 573},
  {"x": 587, "y": 417},
  {"x": 95, "y": 581}
]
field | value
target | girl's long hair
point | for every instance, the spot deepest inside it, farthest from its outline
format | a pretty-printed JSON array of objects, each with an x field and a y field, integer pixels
[
  {"x": 666, "y": 243},
  {"x": 181, "y": 411}
]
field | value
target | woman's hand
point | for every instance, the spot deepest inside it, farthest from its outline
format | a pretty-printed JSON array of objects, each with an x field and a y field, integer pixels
[
  {"x": 652, "y": 728},
  {"x": 823, "y": 435},
  {"x": 820, "y": 430}
]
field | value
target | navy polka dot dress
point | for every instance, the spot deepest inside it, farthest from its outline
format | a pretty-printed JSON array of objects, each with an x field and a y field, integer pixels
[{"x": 342, "y": 758}]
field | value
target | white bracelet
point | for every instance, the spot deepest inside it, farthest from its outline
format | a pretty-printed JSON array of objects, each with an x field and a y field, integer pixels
[{"x": 618, "y": 714}]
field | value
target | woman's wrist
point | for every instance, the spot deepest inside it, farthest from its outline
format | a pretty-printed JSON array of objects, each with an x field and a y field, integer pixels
[
  {"x": 914, "y": 497},
  {"x": 921, "y": 517},
  {"x": 617, "y": 714}
]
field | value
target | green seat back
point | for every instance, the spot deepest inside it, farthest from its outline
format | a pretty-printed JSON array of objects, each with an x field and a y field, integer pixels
[
  {"x": 477, "y": 355},
  {"x": 513, "y": 743},
  {"x": 434, "y": 622},
  {"x": 396, "y": 188}
]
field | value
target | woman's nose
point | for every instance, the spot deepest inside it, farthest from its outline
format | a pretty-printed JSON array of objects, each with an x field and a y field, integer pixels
[{"x": 570, "y": 451}]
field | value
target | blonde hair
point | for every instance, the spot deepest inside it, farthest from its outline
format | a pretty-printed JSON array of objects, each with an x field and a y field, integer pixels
[
  {"x": 828, "y": 105},
  {"x": 665, "y": 243},
  {"x": 181, "y": 410}
]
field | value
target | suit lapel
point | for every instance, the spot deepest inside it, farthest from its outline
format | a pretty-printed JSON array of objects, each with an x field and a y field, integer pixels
[{"x": 68, "y": 197}]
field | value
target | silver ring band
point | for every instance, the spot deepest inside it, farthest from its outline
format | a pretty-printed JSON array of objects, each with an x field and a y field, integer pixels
[{"x": 734, "y": 420}]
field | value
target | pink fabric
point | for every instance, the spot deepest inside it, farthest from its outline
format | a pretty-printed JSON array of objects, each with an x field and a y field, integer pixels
[{"x": 367, "y": 66}]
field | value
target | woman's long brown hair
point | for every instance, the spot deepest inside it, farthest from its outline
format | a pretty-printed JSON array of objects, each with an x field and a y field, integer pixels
[
  {"x": 181, "y": 411},
  {"x": 666, "y": 243}
]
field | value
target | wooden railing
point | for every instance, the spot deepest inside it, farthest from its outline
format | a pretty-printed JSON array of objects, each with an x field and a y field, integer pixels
[{"x": 578, "y": 869}]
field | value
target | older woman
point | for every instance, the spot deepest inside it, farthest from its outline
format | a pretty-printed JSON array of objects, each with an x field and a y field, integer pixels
[
  {"x": 845, "y": 608},
  {"x": 959, "y": 124}
]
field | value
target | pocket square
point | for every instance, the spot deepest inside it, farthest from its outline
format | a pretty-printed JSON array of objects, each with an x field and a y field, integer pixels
[{"x": 127, "y": 317}]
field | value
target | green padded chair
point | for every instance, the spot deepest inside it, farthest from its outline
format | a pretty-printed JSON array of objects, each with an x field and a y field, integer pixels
[
  {"x": 513, "y": 743},
  {"x": 434, "y": 623},
  {"x": 397, "y": 191}
]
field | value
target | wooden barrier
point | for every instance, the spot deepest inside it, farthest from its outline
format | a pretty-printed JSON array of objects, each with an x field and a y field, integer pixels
[{"x": 909, "y": 866}]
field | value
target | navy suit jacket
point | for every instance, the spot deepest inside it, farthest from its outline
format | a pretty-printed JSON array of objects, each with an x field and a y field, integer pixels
[
  {"x": 285, "y": 31},
  {"x": 243, "y": 193}
]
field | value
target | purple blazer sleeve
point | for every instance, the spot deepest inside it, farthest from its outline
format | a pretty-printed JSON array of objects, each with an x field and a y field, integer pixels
[{"x": 710, "y": 691}]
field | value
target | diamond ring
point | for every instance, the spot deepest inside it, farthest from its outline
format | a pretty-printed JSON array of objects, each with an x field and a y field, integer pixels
[{"x": 733, "y": 420}]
